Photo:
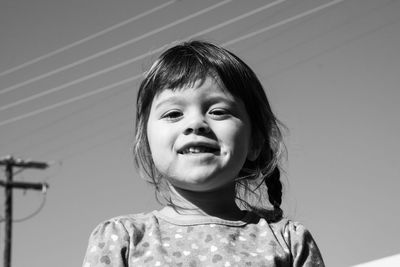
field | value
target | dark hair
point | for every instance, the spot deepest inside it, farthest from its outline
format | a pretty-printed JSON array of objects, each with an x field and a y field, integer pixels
[{"x": 183, "y": 65}]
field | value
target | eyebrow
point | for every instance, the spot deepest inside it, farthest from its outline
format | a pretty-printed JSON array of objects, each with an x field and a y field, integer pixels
[
  {"x": 210, "y": 100},
  {"x": 170, "y": 100}
]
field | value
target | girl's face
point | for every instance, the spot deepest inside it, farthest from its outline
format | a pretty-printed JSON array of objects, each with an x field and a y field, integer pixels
[{"x": 199, "y": 136}]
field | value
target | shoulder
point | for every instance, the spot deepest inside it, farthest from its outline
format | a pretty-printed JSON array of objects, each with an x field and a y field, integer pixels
[
  {"x": 285, "y": 230},
  {"x": 293, "y": 232},
  {"x": 298, "y": 239},
  {"x": 123, "y": 227},
  {"x": 303, "y": 247},
  {"x": 289, "y": 228},
  {"x": 111, "y": 240},
  {"x": 107, "y": 236},
  {"x": 283, "y": 227}
]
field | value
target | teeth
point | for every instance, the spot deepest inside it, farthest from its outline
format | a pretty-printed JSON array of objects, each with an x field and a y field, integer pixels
[
  {"x": 194, "y": 150},
  {"x": 197, "y": 150}
]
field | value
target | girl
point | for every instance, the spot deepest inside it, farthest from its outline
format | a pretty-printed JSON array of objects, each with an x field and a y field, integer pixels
[{"x": 207, "y": 140}]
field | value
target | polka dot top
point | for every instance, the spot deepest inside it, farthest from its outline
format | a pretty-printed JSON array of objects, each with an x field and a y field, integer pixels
[{"x": 153, "y": 239}]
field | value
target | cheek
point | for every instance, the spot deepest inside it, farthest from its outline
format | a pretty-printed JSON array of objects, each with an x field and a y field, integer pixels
[
  {"x": 159, "y": 136},
  {"x": 243, "y": 143},
  {"x": 161, "y": 144},
  {"x": 156, "y": 151},
  {"x": 154, "y": 132},
  {"x": 152, "y": 139},
  {"x": 239, "y": 140},
  {"x": 244, "y": 134}
]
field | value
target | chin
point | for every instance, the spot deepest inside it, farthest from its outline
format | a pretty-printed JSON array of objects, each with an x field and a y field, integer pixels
[{"x": 198, "y": 184}]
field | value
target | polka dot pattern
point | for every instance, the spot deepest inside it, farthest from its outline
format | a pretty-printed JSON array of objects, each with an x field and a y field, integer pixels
[{"x": 147, "y": 240}]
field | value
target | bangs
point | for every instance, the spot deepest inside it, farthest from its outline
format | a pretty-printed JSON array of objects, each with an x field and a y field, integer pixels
[{"x": 176, "y": 70}]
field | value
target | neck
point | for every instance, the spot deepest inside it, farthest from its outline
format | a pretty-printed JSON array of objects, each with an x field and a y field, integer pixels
[{"x": 218, "y": 203}]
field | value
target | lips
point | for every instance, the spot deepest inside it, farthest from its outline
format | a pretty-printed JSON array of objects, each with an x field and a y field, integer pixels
[{"x": 198, "y": 148}]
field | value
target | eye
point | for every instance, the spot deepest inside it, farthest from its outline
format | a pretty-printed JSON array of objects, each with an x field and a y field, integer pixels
[
  {"x": 219, "y": 113},
  {"x": 172, "y": 115}
]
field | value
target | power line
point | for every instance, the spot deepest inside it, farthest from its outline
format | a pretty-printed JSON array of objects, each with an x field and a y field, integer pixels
[
  {"x": 130, "y": 61},
  {"x": 341, "y": 25},
  {"x": 73, "y": 113},
  {"x": 283, "y": 22},
  {"x": 84, "y": 125},
  {"x": 71, "y": 155},
  {"x": 86, "y": 39},
  {"x": 230, "y": 21},
  {"x": 36, "y": 212},
  {"x": 33, "y": 214},
  {"x": 106, "y": 88},
  {"x": 70, "y": 100},
  {"x": 109, "y": 50},
  {"x": 329, "y": 49}
]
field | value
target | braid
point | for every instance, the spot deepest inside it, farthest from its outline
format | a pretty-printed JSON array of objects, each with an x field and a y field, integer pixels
[{"x": 274, "y": 186}]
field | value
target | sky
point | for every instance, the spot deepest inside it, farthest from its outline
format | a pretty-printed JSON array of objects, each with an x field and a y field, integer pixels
[{"x": 69, "y": 74}]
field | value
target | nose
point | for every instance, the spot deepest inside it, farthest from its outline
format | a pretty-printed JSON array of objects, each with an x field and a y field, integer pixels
[{"x": 197, "y": 125}]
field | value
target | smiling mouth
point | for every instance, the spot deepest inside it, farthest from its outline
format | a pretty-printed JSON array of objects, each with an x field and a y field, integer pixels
[{"x": 198, "y": 150}]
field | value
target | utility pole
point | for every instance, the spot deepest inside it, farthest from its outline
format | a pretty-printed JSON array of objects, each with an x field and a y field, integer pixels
[{"x": 10, "y": 162}]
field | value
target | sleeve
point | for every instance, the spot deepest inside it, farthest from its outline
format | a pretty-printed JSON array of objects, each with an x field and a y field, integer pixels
[
  {"x": 303, "y": 248},
  {"x": 108, "y": 246}
]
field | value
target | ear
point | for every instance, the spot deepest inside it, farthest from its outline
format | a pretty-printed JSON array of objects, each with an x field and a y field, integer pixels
[{"x": 256, "y": 144}]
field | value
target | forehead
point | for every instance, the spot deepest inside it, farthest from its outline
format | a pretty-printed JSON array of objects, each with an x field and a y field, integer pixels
[{"x": 206, "y": 89}]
